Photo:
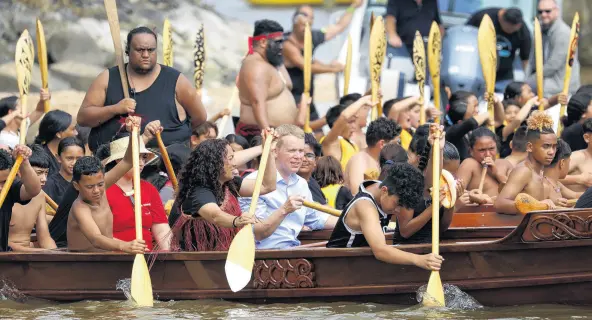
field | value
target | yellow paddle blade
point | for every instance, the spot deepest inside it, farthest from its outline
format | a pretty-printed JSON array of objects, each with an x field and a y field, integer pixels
[
  {"x": 42, "y": 59},
  {"x": 24, "y": 57},
  {"x": 167, "y": 44},
  {"x": 434, "y": 296},
  {"x": 377, "y": 52},
  {"x": 571, "y": 55},
  {"x": 420, "y": 72},
  {"x": 488, "y": 55},
  {"x": 199, "y": 58},
  {"x": 240, "y": 259},
  {"x": 525, "y": 203},
  {"x": 347, "y": 69},
  {"x": 434, "y": 56},
  {"x": 141, "y": 284},
  {"x": 538, "y": 59},
  {"x": 307, "y": 73}
]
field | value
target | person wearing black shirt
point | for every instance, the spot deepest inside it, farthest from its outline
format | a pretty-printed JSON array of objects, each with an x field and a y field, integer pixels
[
  {"x": 293, "y": 52},
  {"x": 312, "y": 150},
  {"x": 404, "y": 17},
  {"x": 512, "y": 35},
  {"x": 21, "y": 191},
  {"x": 579, "y": 108},
  {"x": 69, "y": 151}
]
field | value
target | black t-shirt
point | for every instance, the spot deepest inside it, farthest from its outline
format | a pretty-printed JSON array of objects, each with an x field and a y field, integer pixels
[
  {"x": 457, "y": 135},
  {"x": 344, "y": 196},
  {"x": 507, "y": 44},
  {"x": 424, "y": 234},
  {"x": 54, "y": 165},
  {"x": 317, "y": 193},
  {"x": 199, "y": 197},
  {"x": 574, "y": 136},
  {"x": 505, "y": 149},
  {"x": 585, "y": 200},
  {"x": 13, "y": 196},
  {"x": 411, "y": 17},
  {"x": 56, "y": 187}
]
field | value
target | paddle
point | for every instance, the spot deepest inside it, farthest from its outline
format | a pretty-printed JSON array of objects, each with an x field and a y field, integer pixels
[
  {"x": 42, "y": 59},
  {"x": 482, "y": 181},
  {"x": 488, "y": 56},
  {"x": 241, "y": 254},
  {"x": 322, "y": 208},
  {"x": 571, "y": 55},
  {"x": 307, "y": 73},
  {"x": 222, "y": 124},
  {"x": 538, "y": 59},
  {"x": 24, "y": 57},
  {"x": 167, "y": 44},
  {"x": 420, "y": 71},
  {"x": 50, "y": 202},
  {"x": 434, "y": 53},
  {"x": 435, "y": 292},
  {"x": 526, "y": 203},
  {"x": 347, "y": 69},
  {"x": 377, "y": 52},
  {"x": 199, "y": 59},
  {"x": 167, "y": 162},
  {"x": 141, "y": 285}
]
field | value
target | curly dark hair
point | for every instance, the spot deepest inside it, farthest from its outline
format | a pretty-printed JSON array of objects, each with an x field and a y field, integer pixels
[
  {"x": 6, "y": 160},
  {"x": 381, "y": 129},
  {"x": 203, "y": 169},
  {"x": 87, "y": 166},
  {"x": 406, "y": 182}
]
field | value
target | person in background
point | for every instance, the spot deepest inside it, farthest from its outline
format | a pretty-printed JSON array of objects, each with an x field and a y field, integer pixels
[
  {"x": 514, "y": 117},
  {"x": 205, "y": 131},
  {"x": 358, "y": 136},
  {"x": 70, "y": 150},
  {"x": 519, "y": 154},
  {"x": 464, "y": 117},
  {"x": 158, "y": 176},
  {"x": 399, "y": 110},
  {"x": 293, "y": 52},
  {"x": 405, "y": 17},
  {"x": 55, "y": 126},
  {"x": 312, "y": 151},
  {"x": 329, "y": 176},
  {"x": 512, "y": 36},
  {"x": 579, "y": 108},
  {"x": 238, "y": 143},
  {"x": 580, "y": 166},
  {"x": 11, "y": 117},
  {"x": 555, "y": 34},
  {"x": 557, "y": 170}
]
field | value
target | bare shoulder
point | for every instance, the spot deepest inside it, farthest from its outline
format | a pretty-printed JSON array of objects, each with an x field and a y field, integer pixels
[
  {"x": 469, "y": 164},
  {"x": 364, "y": 208},
  {"x": 79, "y": 207},
  {"x": 521, "y": 172}
]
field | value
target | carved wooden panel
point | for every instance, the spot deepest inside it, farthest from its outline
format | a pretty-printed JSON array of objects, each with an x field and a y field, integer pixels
[
  {"x": 284, "y": 274},
  {"x": 560, "y": 226}
]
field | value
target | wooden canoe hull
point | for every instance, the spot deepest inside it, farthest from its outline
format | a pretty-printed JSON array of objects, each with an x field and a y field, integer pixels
[{"x": 546, "y": 259}]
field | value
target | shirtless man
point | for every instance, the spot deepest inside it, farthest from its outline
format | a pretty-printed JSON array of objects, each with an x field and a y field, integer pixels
[
  {"x": 580, "y": 165},
  {"x": 26, "y": 217},
  {"x": 528, "y": 176},
  {"x": 558, "y": 170},
  {"x": 380, "y": 133},
  {"x": 264, "y": 84},
  {"x": 483, "y": 148},
  {"x": 90, "y": 222},
  {"x": 519, "y": 154}
]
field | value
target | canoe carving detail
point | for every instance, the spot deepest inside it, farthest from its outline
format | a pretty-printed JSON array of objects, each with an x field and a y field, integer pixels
[
  {"x": 559, "y": 227},
  {"x": 284, "y": 274}
]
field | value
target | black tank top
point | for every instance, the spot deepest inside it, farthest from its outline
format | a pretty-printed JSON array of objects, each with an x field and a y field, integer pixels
[
  {"x": 157, "y": 102},
  {"x": 423, "y": 235},
  {"x": 345, "y": 237}
]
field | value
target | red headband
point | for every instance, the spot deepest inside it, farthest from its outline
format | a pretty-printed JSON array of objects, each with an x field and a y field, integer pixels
[{"x": 261, "y": 37}]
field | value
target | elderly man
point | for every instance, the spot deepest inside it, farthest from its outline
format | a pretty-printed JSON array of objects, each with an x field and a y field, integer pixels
[
  {"x": 555, "y": 49},
  {"x": 294, "y": 50}
]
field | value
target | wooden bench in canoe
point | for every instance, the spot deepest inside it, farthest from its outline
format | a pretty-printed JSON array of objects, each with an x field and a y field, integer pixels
[{"x": 546, "y": 259}]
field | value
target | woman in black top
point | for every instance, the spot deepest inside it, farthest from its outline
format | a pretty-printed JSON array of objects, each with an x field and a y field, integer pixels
[
  {"x": 463, "y": 117},
  {"x": 579, "y": 108},
  {"x": 55, "y": 126}
]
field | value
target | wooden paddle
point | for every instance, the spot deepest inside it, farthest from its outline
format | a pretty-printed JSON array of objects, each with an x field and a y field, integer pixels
[
  {"x": 526, "y": 203},
  {"x": 420, "y": 72},
  {"x": 50, "y": 202},
  {"x": 24, "y": 57},
  {"x": 571, "y": 56},
  {"x": 167, "y": 44},
  {"x": 241, "y": 254},
  {"x": 347, "y": 69},
  {"x": 222, "y": 124},
  {"x": 42, "y": 59},
  {"x": 199, "y": 59},
  {"x": 141, "y": 284},
  {"x": 307, "y": 73},
  {"x": 482, "y": 181},
  {"x": 322, "y": 208},
  {"x": 377, "y": 52},
  {"x": 435, "y": 291},
  {"x": 167, "y": 162},
  {"x": 538, "y": 59},
  {"x": 488, "y": 55},
  {"x": 434, "y": 56}
]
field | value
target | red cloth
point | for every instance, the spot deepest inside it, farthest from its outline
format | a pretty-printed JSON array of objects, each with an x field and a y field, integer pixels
[{"x": 124, "y": 225}]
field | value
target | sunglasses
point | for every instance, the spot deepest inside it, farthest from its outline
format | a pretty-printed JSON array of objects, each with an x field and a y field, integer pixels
[{"x": 544, "y": 11}]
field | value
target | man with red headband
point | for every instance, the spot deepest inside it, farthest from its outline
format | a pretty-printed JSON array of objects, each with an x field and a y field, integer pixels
[{"x": 264, "y": 84}]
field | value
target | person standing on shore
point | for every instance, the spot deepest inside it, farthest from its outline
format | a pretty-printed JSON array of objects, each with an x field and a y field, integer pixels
[{"x": 157, "y": 92}]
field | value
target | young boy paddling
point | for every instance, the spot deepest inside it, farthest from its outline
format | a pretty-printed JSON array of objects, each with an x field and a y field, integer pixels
[
  {"x": 528, "y": 177},
  {"x": 90, "y": 222}
]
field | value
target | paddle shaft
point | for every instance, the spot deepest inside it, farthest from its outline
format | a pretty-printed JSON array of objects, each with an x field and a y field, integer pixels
[
  {"x": 50, "y": 201},
  {"x": 436, "y": 196},
  {"x": 482, "y": 181},
  {"x": 259, "y": 179},
  {"x": 307, "y": 74},
  {"x": 42, "y": 59},
  {"x": 322, "y": 208},
  {"x": 538, "y": 57},
  {"x": 113, "y": 20},
  {"x": 347, "y": 69},
  {"x": 230, "y": 106},
  {"x": 167, "y": 162}
]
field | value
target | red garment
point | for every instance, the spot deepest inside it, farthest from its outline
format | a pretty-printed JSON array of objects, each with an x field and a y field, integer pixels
[{"x": 122, "y": 207}]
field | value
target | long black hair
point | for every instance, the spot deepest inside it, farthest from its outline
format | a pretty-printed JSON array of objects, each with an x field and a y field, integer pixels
[{"x": 52, "y": 123}]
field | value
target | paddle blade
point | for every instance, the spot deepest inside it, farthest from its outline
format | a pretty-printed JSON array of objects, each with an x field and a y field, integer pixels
[
  {"x": 487, "y": 44},
  {"x": 113, "y": 19},
  {"x": 347, "y": 69},
  {"x": 141, "y": 284},
  {"x": 525, "y": 203},
  {"x": 434, "y": 54},
  {"x": 434, "y": 296},
  {"x": 420, "y": 71},
  {"x": 538, "y": 59},
  {"x": 167, "y": 44},
  {"x": 377, "y": 52},
  {"x": 240, "y": 259},
  {"x": 571, "y": 56},
  {"x": 199, "y": 58}
]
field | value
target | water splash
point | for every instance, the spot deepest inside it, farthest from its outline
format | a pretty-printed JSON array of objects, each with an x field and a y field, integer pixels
[
  {"x": 10, "y": 292},
  {"x": 125, "y": 285},
  {"x": 454, "y": 297}
]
